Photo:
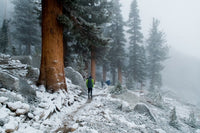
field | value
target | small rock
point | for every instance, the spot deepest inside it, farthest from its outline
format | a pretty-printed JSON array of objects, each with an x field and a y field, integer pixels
[
  {"x": 14, "y": 106},
  {"x": 3, "y": 99},
  {"x": 2, "y": 122},
  {"x": 159, "y": 131},
  {"x": 141, "y": 108},
  {"x": 11, "y": 126},
  {"x": 30, "y": 115},
  {"x": 21, "y": 112}
]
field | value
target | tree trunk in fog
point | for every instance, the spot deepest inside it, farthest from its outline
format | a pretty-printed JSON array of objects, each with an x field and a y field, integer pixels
[
  {"x": 120, "y": 74},
  {"x": 104, "y": 73},
  {"x": 28, "y": 49},
  {"x": 93, "y": 63},
  {"x": 52, "y": 62},
  {"x": 113, "y": 76}
]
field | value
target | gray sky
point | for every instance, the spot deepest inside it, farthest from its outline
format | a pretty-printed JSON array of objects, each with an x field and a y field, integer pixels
[{"x": 180, "y": 20}]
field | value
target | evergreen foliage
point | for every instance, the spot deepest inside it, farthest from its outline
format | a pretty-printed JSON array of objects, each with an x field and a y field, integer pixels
[
  {"x": 192, "y": 120},
  {"x": 115, "y": 31},
  {"x": 137, "y": 58},
  {"x": 4, "y": 38},
  {"x": 157, "y": 53},
  {"x": 27, "y": 31},
  {"x": 83, "y": 20},
  {"x": 173, "y": 119}
]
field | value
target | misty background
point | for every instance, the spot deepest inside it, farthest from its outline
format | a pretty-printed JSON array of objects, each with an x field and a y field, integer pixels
[{"x": 179, "y": 20}]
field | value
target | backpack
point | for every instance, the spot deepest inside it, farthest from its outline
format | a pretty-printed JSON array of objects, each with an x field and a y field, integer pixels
[{"x": 90, "y": 84}]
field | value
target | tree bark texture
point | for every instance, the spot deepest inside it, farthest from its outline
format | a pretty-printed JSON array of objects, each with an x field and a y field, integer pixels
[
  {"x": 52, "y": 61},
  {"x": 104, "y": 73},
  {"x": 93, "y": 63},
  {"x": 120, "y": 75}
]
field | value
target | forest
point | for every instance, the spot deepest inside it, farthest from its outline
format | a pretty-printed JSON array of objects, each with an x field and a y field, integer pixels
[{"x": 49, "y": 48}]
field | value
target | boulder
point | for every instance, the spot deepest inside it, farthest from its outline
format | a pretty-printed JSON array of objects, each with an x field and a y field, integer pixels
[
  {"x": 27, "y": 90},
  {"x": 23, "y": 59},
  {"x": 142, "y": 108},
  {"x": 9, "y": 81},
  {"x": 3, "y": 99},
  {"x": 11, "y": 126},
  {"x": 75, "y": 77},
  {"x": 33, "y": 73}
]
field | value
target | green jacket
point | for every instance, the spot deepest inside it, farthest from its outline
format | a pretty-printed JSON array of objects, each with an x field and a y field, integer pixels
[{"x": 92, "y": 83}]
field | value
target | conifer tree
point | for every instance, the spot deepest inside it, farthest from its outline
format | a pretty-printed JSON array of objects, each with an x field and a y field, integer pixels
[
  {"x": 27, "y": 31},
  {"x": 157, "y": 53},
  {"x": 173, "y": 119},
  {"x": 136, "y": 66},
  {"x": 84, "y": 18},
  {"x": 115, "y": 31},
  {"x": 4, "y": 40}
]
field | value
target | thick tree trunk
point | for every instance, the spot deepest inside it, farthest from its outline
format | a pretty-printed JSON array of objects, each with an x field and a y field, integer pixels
[
  {"x": 120, "y": 75},
  {"x": 52, "y": 62},
  {"x": 104, "y": 73},
  {"x": 93, "y": 63}
]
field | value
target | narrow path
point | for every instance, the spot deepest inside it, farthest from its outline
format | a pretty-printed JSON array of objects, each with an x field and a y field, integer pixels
[{"x": 83, "y": 106}]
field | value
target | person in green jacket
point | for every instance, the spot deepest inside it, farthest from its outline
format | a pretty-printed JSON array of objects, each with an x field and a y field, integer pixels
[{"x": 90, "y": 85}]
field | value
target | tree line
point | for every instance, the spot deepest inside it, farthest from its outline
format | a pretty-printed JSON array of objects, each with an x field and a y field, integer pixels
[{"x": 85, "y": 34}]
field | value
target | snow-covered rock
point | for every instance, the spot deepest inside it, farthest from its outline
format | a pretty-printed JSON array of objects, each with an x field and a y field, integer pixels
[
  {"x": 9, "y": 81},
  {"x": 33, "y": 73},
  {"x": 11, "y": 126},
  {"x": 3, "y": 99},
  {"x": 23, "y": 59},
  {"x": 142, "y": 108},
  {"x": 75, "y": 77},
  {"x": 159, "y": 131},
  {"x": 19, "y": 107}
]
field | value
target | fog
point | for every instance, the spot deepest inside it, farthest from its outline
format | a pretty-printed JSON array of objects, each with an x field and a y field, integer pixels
[{"x": 180, "y": 21}]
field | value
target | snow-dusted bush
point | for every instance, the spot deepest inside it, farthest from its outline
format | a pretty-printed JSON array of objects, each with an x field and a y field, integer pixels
[
  {"x": 191, "y": 121},
  {"x": 173, "y": 119},
  {"x": 155, "y": 98},
  {"x": 118, "y": 89}
]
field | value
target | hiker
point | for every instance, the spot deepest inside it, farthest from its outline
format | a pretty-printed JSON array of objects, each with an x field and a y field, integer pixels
[{"x": 90, "y": 85}]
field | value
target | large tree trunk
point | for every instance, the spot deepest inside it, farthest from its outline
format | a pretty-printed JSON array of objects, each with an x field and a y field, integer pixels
[
  {"x": 104, "y": 73},
  {"x": 120, "y": 74},
  {"x": 93, "y": 63},
  {"x": 52, "y": 62}
]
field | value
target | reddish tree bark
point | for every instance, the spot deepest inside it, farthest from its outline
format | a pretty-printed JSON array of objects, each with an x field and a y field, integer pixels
[
  {"x": 52, "y": 61},
  {"x": 93, "y": 63}
]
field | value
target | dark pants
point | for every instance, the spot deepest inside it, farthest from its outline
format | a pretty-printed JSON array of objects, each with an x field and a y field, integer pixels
[{"x": 89, "y": 93}]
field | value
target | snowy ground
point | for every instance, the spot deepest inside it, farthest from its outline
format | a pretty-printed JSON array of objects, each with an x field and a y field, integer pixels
[{"x": 105, "y": 113}]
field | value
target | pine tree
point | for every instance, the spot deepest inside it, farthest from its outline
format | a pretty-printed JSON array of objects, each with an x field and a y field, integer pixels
[
  {"x": 4, "y": 40},
  {"x": 191, "y": 120},
  {"x": 83, "y": 19},
  {"x": 115, "y": 31},
  {"x": 137, "y": 53},
  {"x": 157, "y": 53},
  {"x": 173, "y": 118},
  {"x": 26, "y": 23}
]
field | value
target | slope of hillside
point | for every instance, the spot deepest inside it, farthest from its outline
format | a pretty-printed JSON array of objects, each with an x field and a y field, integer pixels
[{"x": 182, "y": 73}]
